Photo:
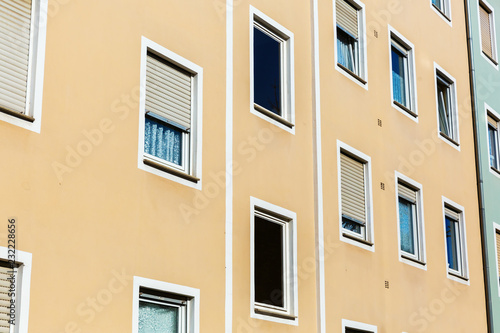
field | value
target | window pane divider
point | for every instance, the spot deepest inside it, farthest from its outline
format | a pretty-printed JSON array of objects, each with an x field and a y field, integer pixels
[
  {"x": 174, "y": 171},
  {"x": 356, "y": 76}
]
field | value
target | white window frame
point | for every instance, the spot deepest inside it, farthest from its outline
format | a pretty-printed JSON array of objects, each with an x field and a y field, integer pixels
[
  {"x": 286, "y": 39},
  {"x": 368, "y": 242},
  {"x": 411, "y": 111},
  {"x": 462, "y": 275},
  {"x": 34, "y": 88},
  {"x": 192, "y": 307},
  {"x": 444, "y": 14},
  {"x": 455, "y": 141},
  {"x": 494, "y": 61},
  {"x": 356, "y": 325},
  {"x": 362, "y": 78},
  {"x": 192, "y": 175},
  {"x": 490, "y": 111},
  {"x": 23, "y": 283},
  {"x": 289, "y": 314},
  {"x": 418, "y": 260},
  {"x": 496, "y": 228}
]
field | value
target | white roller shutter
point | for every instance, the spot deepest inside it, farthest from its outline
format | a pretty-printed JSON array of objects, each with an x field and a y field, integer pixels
[
  {"x": 451, "y": 213},
  {"x": 352, "y": 178},
  {"x": 168, "y": 91},
  {"x": 15, "y": 23},
  {"x": 5, "y": 299},
  {"x": 347, "y": 17},
  {"x": 407, "y": 193}
]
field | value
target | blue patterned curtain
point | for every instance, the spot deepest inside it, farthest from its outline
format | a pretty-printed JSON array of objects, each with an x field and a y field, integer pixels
[
  {"x": 406, "y": 226},
  {"x": 155, "y": 318},
  {"x": 346, "y": 52},
  {"x": 398, "y": 77},
  {"x": 163, "y": 141}
]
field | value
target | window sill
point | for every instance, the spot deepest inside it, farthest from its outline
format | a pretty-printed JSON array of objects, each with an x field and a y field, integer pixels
[
  {"x": 413, "y": 259},
  {"x": 273, "y": 115},
  {"x": 458, "y": 276},
  {"x": 363, "y": 241},
  {"x": 170, "y": 170},
  {"x": 495, "y": 170},
  {"x": 449, "y": 139},
  {"x": 490, "y": 58},
  {"x": 271, "y": 313},
  {"x": 17, "y": 114},
  {"x": 441, "y": 12},
  {"x": 356, "y": 76},
  {"x": 404, "y": 108}
]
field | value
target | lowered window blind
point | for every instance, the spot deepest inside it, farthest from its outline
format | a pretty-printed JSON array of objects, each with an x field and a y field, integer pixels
[
  {"x": 347, "y": 17},
  {"x": 484, "y": 15},
  {"x": 492, "y": 121},
  {"x": 352, "y": 178},
  {"x": 407, "y": 193},
  {"x": 168, "y": 91},
  {"x": 5, "y": 272},
  {"x": 15, "y": 23},
  {"x": 451, "y": 213},
  {"x": 497, "y": 234}
]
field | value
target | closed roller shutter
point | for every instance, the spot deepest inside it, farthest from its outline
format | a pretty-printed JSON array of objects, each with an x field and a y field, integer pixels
[
  {"x": 407, "y": 193},
  {"x": 168, "y": 91},
  {"x": 484, "y": 15},
  {"x": 347, "y": 17},
  {"x": 15, "y": 23},
  {"x": 352, "y": 178},
  {"x": 498, "y": 250}
]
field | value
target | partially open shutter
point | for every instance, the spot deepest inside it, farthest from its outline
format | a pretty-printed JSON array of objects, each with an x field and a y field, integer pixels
[
  {"x": 484, "y": 15},
  {"x": 5, "y": 273},
  {"x": 347, "y": 17},
  {"x": 352, "y": 178},
  {"x": 407, "y": 193},
  {"x": 451, "y": 213},
  {"x": 168, "y": 91},
  {"x": 15, "y": 23}
]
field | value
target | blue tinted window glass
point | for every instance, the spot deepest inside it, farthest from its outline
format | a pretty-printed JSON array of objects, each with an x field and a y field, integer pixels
[
  {"x": 406, "y": 226},
  {"x": 492, "y": 136},
  {"x": 267, "y": 71},
  {"x": 347, "y": 52},
  {"x": 452, "y": 243},
  {"x": 350, "y": 225},
  {"x": 156, "y": 318},
  {"x": 399, "y": 79},
  {"x": 163, "y": 141}
]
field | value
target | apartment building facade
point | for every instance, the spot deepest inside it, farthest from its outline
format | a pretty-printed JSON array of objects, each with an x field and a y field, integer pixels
[
  {"x": 238, "y": 166},
  {"x": 483, "y": 51}
]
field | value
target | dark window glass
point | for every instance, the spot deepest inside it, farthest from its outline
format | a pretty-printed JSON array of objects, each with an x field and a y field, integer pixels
[
  {"x": 399, "y": 77},
  {"x": 452, "y": 243},
  {"x": 268, "y": 258},
  {"x": 406, "y": 225},
  {"x": 267, "y": 71}
]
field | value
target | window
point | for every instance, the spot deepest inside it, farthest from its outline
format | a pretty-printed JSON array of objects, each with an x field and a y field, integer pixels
[
  {"x": 410, "y": 221},
  {"x": 349, "y": 326},
  {"x": 22, "y": 44},
  {"x": 488, "y": 37},
  {"x": 272, "y": 71},
  {"x": 170, "y": 135},
  {"x": 493, "y": 142},
  {"x": 497, "y": 247},
  {"x": 274, "y": 282},
  {"x": 456, "y": 250},
  {"x": 355, "y": 197},
  {"x": 446, "y": 106},
  {"x": 442, "y": 7},
  {"x": 350, "y": 36},
  {"x": 403, "y": 73},
  {"x": 18, "y": 279},
  {"x": 164, "y": 307}
]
